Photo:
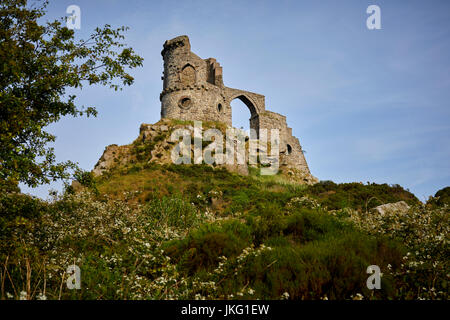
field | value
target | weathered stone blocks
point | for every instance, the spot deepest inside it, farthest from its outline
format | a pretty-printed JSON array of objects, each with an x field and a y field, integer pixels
[{"x": 193, "y": 89}]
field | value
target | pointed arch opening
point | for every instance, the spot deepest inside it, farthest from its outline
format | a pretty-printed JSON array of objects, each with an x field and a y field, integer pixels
[
  {"x": 187, "y": 75},
  {"x": 244, "y": 113}
]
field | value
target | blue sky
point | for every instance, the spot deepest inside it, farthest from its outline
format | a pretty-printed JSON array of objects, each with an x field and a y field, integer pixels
[{"x": 367, "y": 105}]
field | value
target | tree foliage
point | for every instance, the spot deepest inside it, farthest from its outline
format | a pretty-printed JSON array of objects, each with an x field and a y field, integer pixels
[{"x": 38, "y": 63}]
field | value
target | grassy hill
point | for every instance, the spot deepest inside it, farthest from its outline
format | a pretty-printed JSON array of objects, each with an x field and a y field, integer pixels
[{"x": 144, "y": 230}]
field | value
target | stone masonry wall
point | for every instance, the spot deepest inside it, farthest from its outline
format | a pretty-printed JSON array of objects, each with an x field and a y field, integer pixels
[{"x": 193, "y": 89}]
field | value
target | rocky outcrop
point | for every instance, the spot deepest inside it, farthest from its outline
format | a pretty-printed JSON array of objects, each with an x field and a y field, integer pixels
[
  {"x": 112, "y": 156},
  {"x": 399, "y": 207},
  {"x": 154, "y": 145}
]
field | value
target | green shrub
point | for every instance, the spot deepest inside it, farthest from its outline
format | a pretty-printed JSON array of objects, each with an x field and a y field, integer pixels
[
  {"x": 171, "y": 212},
  {"x": 358, "y": 196},
  {"x": 204, "y": 246},
  {"x": 333, "y": 269},
  {"x": 20, "y": 215},
  {"x": 441, "y": 198},
  {"x": 85, "y": 178}
]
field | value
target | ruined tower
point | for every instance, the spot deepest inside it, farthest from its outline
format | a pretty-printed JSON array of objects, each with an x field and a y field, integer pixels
[{"x": 193, "y": 89}]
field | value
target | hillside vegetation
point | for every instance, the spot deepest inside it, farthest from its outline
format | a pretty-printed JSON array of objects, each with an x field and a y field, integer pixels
[{"x": 165, "y": 231}]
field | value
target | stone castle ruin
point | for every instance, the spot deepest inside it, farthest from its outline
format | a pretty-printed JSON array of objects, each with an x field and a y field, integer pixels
[{"x": 193, "y": 90}]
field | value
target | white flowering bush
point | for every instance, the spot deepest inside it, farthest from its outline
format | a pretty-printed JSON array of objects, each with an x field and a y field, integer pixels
[
  {"x": 117, "y": 247},
  {"x": 424, "y": 230},
  {"x": 223, "y": 236},
  {"x": 303, "y": 202}
]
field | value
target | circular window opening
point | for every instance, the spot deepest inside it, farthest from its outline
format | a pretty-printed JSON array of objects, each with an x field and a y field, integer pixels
[
  {"x": 219, "y": 107},
  {"x": 289, "y": 149},
  {"x": 185, "y": 103}
]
